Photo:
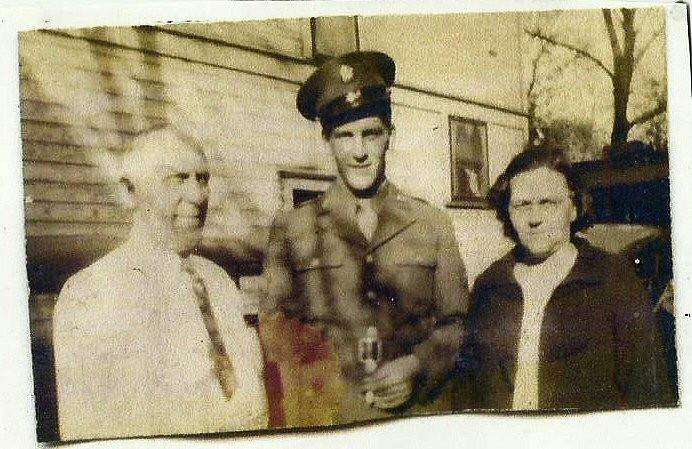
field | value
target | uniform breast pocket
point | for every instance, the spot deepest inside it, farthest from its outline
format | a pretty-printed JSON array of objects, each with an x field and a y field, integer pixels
[
  {"x": 317, "y": 282},
  {"x": 314, "y": 273},
  {"x": 310, "y": 259},
  {"x": 316, "y": 264},
  {"x": 413, "y": 278}
]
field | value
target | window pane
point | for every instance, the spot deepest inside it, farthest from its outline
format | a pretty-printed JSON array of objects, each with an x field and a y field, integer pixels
[
  {"x": 469, "y": 160},
  {"x": 300, "y": 186}
]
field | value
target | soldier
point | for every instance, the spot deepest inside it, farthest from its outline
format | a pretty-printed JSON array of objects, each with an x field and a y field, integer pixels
[{"x": 377, "y": 271}]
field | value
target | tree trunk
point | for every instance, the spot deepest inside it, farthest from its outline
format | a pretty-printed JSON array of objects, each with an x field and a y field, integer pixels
[
  {"x": 623, "y": 68},
  {"x": 621, "y": 93}
]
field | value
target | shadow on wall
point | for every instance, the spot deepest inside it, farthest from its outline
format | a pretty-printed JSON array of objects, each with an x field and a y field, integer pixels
[{"x": 71, "y": 217}]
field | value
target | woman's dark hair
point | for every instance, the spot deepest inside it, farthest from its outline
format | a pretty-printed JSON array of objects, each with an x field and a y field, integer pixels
[{"x": 532, "y": 159}]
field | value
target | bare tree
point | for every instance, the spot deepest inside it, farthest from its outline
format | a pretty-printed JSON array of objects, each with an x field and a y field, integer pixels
[
  {"x": 542, "y": 77},
  {"x": 532, "y": 95},
  {"x": 622, "y": 36}
]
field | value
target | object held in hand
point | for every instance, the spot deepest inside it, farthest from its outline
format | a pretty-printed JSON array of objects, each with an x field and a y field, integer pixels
[
  {"x": 369, "y": 354},
  {"x": 370, "y": 350},
  {"x": 370, "y": 398}
]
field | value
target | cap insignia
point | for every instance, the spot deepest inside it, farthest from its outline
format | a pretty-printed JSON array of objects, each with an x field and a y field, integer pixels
[
  {"x": 351, "y": 97},
  {"x": 346, "y": 73}
]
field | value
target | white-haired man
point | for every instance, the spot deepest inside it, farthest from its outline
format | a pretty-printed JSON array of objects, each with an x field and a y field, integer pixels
[{"x": 150, "y": 339}]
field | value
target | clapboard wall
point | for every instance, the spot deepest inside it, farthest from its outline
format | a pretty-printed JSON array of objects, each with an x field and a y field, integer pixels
[{"x": 83, "y": 97}]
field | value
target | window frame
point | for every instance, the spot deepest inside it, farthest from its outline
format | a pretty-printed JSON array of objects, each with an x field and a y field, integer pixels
[
  {"x": 291, "y": 180},
  {"x": 458, "y": 199}
]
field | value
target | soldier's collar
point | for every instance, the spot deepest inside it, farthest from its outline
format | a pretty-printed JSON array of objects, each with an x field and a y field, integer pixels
[{"x": 339, "y": 197}]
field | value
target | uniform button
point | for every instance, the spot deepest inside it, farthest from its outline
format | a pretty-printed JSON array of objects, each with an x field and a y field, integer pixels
[
  {"x": 371, "y": 295},
  {"x": 368, "y": 258}
]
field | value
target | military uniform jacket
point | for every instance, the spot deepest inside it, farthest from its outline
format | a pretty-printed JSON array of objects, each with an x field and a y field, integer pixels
[{"x": 408, "y": 280}]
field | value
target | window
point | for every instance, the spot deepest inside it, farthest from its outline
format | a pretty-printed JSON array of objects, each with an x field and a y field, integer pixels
[
  {"x": 298, "y": 187},
  {"x": 469, "y": 159}
]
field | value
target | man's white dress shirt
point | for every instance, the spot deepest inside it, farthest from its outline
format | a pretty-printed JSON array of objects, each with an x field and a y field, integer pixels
[{"x": 132, "y": 351}]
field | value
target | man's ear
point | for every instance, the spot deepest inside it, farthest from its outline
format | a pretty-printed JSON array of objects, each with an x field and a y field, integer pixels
[
  {"x": 392, "y": 138},
  {"x": 325, "y": 144},
  {"x": 126, "y": 190},
  {"x": 573, "y": 212}
]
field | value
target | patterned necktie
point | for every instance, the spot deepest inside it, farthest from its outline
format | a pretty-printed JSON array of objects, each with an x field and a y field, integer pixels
[
  {"x": 222, "y": 362},
  {"x": 366, "y": 218}
]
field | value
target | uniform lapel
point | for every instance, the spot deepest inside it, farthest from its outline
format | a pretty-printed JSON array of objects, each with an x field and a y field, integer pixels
[
  {"x": 340, "y": 207},
  {"x": 394, "y": 216}
]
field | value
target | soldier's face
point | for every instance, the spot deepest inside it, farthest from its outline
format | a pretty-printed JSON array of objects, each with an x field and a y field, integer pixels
[
  {"x": 541, "y": 210},
  {"x": 359, "y": 148},
  {"x": 172, "y": 194}
]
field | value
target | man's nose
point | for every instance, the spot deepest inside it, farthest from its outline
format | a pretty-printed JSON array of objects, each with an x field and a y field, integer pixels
[
  {"x": 359, "y": 151},
  {"x": 195, "y": 191},
  {"x": 535, "y": 222}
]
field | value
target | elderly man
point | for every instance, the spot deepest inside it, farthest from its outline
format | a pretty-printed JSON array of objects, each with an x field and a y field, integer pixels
[
  {"x": 377, "y": 271},
  {"x": 150, "y": 339},
  {"x": 557, "y": 323}
]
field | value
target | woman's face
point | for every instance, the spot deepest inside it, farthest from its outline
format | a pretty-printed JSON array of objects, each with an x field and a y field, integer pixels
[{"x": 541, "y": 210}]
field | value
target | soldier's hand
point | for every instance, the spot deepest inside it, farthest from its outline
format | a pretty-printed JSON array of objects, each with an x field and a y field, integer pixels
[{"x": 392, "y": 384}]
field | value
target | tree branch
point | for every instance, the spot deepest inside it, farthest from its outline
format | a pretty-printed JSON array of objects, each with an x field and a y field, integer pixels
[
  {"x": 645, "y": 117},
  {"x": 579, "y": 51},
  {"x": 614, "y": 45},
  {"x": 534, "y": 70},
  {"x": 551, "y": 76},
  {"x": 645, "y": 47},
  {"x": 630, "y": 32}
]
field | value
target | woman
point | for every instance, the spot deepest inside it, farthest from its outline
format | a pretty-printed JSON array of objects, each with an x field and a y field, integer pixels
[{"x": 557, "y": 323}]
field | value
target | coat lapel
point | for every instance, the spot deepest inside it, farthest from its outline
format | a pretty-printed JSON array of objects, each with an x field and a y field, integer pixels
[
  {"x": 340, "y": 207},
  {"x": 394, "y": 217},
  {"x": 503, "y": 284},
  {"x": 502, "y": 287}
]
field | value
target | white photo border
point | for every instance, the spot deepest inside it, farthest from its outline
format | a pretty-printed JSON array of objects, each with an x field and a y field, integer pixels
[{"x": 668, "y": 428}]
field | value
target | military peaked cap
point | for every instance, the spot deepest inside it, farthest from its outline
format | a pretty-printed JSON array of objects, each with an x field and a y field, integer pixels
[{"x": 344, "y": 83}]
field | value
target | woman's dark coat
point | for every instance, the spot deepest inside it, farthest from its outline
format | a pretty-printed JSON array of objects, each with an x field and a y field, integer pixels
[{"x": 599, "y": 344}]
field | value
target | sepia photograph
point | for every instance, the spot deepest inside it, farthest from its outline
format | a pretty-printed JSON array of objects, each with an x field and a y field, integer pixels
[{"x": 317, "y": 222}]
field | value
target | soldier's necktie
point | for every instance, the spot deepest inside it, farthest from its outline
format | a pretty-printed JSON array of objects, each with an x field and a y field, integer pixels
[
  {"x": 366, "y": 218},
  {"x": 223, "y": 367}
]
